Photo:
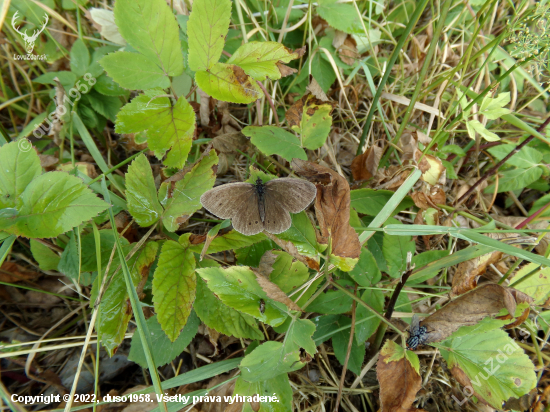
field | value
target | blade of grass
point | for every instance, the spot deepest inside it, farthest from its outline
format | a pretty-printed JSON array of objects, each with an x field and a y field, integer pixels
[
  {"x": 6, "y": 247},
  {"x": 421, "y": 5}
]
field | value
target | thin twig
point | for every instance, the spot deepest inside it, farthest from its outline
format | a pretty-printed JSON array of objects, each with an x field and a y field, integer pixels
[
  {"x": 270, "y": 101},
  {"x": 499, "y": 164}
]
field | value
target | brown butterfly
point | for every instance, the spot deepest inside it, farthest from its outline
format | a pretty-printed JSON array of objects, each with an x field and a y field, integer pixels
[{"x": 254, "y": 208}]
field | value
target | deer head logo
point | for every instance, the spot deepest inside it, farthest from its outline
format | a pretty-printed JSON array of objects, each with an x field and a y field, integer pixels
[{"x": 29, "y": 40}]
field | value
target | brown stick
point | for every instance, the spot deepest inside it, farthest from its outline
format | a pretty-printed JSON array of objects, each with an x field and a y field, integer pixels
[
  {"x": 499, "y": 164},
  {"x": 268, "y": 98},
  {"x": 350, "y": 343}
]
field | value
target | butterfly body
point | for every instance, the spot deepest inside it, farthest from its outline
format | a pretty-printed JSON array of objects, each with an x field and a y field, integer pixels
[
  {"x": 256, "y": 207},
  {"x": 418, "y": 334}
]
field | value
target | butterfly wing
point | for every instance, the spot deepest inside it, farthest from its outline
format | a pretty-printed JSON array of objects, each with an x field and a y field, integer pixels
[
  {"x": 277, "y": 219},
  {"x": 294, "y": 195},
  {"x": 247, "y": 219},
  {"x": 226, "y": 201}
]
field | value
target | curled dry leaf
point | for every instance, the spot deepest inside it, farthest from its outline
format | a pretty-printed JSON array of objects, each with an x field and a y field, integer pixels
[
  {"x": 274, "y": 292},
  {"x": 104, "y": 21},
  {"x": 204, "y": 111},
  {"x": 315, "y": 89},
  {"x": 11, "y": 272},
  {"x": 348, "y": 51},
  {"x": 332, "y": 207},
  {"x": 229, "y": 142},
  {"x": 472, "y": 307},
  {"x": 365, "y": 165},
  {"x": 399, "y": 380},
  {"x": 429, "y": 196},
  {"x": 307, "y": 105}
]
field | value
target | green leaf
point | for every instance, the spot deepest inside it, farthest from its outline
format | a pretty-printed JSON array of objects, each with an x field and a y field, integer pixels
[
  {"x": 370, "y": 201},
  {"x": 259, "y": 59},
  {"x": 251, "y": 255},
  {"x": 223, "y": 318},
  {"x": 300, "y": 334},
  {"x": 230, "y": 240},
  {"x": 278, "y": 386},
  {"x": 106, "y": 246},
  {"x": 141, "y": 193},
  {"x": 302, "y": 235},
  {"x": 107, "y": 106},
  {"x": 510, "y": 372},
  {"x": 95, "y": 68},
  {"x": 208, "y": 23},
  {"x": 134, "y": 71},
  {"x": 174, "y": 286},
  {"x": 269, "y": 360},
  {"x": 167, "y": 126},
  {"x": 498, "y": 102},
  {"x": 19, "y": 168},
  {"x": 537, "y": 285},
  {"x": 368, "y": 321},
  {"x": 312, "y": 123},
  {"x": 527, "y": 157},
  {"x": 325, "y": 327},
  {"x": 80, "y": 58},
  {"x": 105, "y": 85},
  {"x": 66, "y": 78},
  {"x": 237, "y": 287},
  {"x": 150, "y": 27},
  {"x": 52, "y": 204},
  {"x": 47, "y": 259},
  {"x": 332, "y": 302},
  {"x": 286, "y": 273},
  {"x": 69, "y": 262},
  {"x": 164, "y": 351},
  {"x": 274, "y": 140},
  {"x": 185, "y": 196},
  {"x": 229, "y": 83},
  {"x": 395, "y": 249},
  {"x": 341, "y": 16},
  {"x": 475, "y": 126},
  {"x": 515, "y": 179},
  {"x": 366, "y": 272},
  {"x": 115, "y": 304},
  {"x": 322, "y": 71},
  {"x": 340, "y": 342}
]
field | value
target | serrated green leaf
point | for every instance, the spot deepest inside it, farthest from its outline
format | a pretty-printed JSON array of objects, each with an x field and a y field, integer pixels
[
  {"x": 141, "y": 193},
  {"x": 52, "y": 204},
  {"x": 237, "y": 287},
  {"x": 341, "y": 16},
  {"x": 174, "y": 286},
  {"x": 300, "y": 334},
  {"x": 286, "y": 273},
  {"x": 326, "y": 327},
  {"x": 185, "y": 196},
  {"x": 223, "y": 318},
  {"x": 150, "y": 27},
  {"x": 278, "y": 386},
  {"x": 269, "y": 360},
  {"x": 366, "y": 272},
  {"x": 69, "y": 262},
  {"x": 229, "y": 83},
  {"x": 47, "y": 259},
  {"x": 274, "y": 140},
  {"x": 395, "y": 249},
  {"x": 495, "y": 113},
  {"x": 510, "y": 372},
  {"x": 80, "y": 58},
  {"x": 115, "y": 304},
  {"x": 515, "y": 179},
  {"x": 134, "y": 71},
  {"x": 167, "y": 126},
  {"x": 107, "y": 106},
  {"x": 209, "y": 23},
  {"x": 259, "y": 59},
  {"x": 19, "y": 168},
  {"x": 498, "y": 102},
  {"x": 164, "y": 351},
  {"x": 370, "y": 201},
  {"x": 106, "y": 85},
  {"x": 95, "y": 68},
  {"x": 340, "y": 342}
]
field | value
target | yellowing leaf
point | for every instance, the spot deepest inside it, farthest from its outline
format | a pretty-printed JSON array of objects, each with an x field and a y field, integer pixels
[
  {"x": 229, "y": 83},
  {"x": 141, "y": 193}
]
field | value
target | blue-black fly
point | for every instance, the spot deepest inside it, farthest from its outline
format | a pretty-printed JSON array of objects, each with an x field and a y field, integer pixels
[{"x": 418, "y": 334}]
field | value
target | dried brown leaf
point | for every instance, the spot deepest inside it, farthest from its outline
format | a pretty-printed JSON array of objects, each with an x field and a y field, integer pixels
[
  {"x": 332, "y": 207},
  {"x": 365, "y": 165},
  {"x": 274, "y": 292}
]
